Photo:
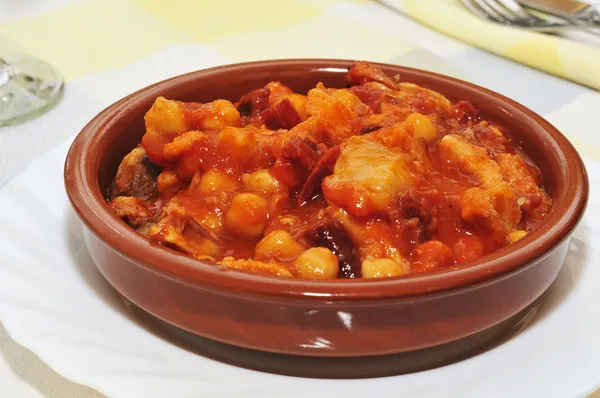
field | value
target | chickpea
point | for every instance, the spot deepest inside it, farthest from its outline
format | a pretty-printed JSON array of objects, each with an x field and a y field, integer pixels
[
  {"x": 239, "y": 143},
  {"x": 422, "y": 127},
  {"x": 516, "y": 235},
  {"x": 214, "y": 180},
  {"x": 166, "y": 116},
  {"x": 381, "y": 268},
  {"x": 246, "y": 215},
  {"x": 220, "y": 114},
  {"x": 317, "y": 262},
  {"x": 278, "y": 245},
  {"x": 167, "y": 184},
  {"x": 261, "y": 180}
]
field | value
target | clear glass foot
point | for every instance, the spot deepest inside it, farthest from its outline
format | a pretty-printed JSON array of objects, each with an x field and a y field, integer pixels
[{"x": 28, "y": 88}]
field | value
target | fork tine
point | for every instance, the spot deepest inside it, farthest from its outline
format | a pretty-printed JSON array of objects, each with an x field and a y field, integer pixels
[
  {"x": 535, "y": 23},
  {"x": 518, "y": 10},
  {"x": 477, "y": 10},
  {"x": 474, "y": 9},
  {"x": 501, "y": 10},
  {"x": 491, "y": 12}
]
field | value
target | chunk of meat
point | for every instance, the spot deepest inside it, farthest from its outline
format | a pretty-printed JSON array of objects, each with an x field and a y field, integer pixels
[
  {"x": 367, "y": 177},
  {"x": 176, "y": 228},
  {"x": 274, "y": 143},
  {"x": 259, "y": 267},
  {"x": 411, "y": 136},
  {"x": 464, "y": 111},
  {"x": 420, "y": 99},
  {"x": 136, "y": 176},
  {"x": 323, "y": 168},
  {"x": 352, "y": 102},
  {"x": 493, "y": 204},
  {"x": 253, "y": 103},
  {"x": 278, "y": 91},
  {"x": 298, "y": 157},
  {"x": 134, "y": 211},
  {"x": 531, "y": 199},
  {"x": 337, "y": 122},
  {"x": 183, "y": 144},
  {"x": 283, "y": 115},
  {"x": 371, "y": 94},
  {"x": 491, "y": 137},
  {"x": 285, "y": 108},
  {"x": 364, "y": 72},
  {"x": 417, "y": 214},
  {"x": 186, "y": 154}
]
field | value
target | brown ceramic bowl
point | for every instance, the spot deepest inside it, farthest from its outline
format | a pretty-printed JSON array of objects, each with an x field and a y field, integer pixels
[{"x": 340, "y": 318}]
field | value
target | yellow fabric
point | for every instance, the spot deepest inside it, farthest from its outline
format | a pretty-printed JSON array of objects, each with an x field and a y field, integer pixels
[
  {"x": 92, "y": 36},
  {"x": 321, "y": 37},
  {"x": 559, "y": 56},
  {"x": 97, "y": 35}
]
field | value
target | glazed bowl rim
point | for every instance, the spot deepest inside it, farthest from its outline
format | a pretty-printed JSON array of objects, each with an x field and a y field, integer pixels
[{"x": 83, "y": 190}]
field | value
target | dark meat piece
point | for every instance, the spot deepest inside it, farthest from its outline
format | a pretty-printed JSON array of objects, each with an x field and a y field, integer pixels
[
  {"x": 302, "y": 150},
  {"x": 299, "y": 156},
  {"x": 136, "y": 176},
  {"x": 372, "y": 96},
  {"x": 134, "y": 211},
  {"x": 491, "y": 137},
  {"x": 417, "y": 213},
  {"x": 324, "y": 167},
  {"x": 464, "y": 111},
  {"x": 281, "y": 116},
  {"x": 335, "y": 238},
  {"x": 363, "y": 72},
  {"x": 369, "y": 129},
  {"x": 253, "y": 103}
]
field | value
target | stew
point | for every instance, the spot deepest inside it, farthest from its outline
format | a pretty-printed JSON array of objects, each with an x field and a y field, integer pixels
[{"x": 382, "y": 178}]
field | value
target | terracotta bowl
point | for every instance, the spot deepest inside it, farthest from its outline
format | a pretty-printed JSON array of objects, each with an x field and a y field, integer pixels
[{"x": 458, "y": 309}]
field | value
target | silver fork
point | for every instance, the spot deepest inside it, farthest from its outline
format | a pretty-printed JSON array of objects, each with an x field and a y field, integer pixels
[{"x": 510, "y": 13}]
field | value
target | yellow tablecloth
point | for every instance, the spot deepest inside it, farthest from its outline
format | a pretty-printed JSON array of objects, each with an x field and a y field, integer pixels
[{"x": 560, "y": 56}]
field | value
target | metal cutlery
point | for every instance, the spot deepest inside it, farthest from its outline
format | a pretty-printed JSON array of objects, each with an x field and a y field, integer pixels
[
  {"x": 571, "y": 10},
  {"x": 511, "y": 13}
]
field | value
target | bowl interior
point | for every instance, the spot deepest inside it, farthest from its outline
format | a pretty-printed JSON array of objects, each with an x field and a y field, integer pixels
[{"x": 97, "y": 152}]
